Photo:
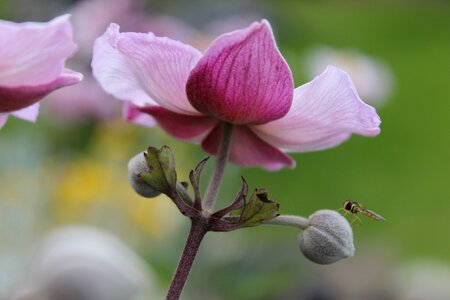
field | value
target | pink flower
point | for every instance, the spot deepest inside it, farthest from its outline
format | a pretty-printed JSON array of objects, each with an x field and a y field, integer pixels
[
  {"x": 87, "y": 101},
  {"x": 241, "y": 79},
  {"x": 32, "y": 64}
]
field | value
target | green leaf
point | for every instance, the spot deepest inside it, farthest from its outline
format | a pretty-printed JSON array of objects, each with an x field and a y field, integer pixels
[
  {"x": 260, "y": 208},
  {"x": 161, "y": 165},
  {"x": 167, "y": 162}
]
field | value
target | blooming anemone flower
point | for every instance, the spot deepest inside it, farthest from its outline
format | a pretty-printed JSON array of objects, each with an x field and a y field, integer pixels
[
  {"x": 32, "y": 64},
  {"x": 241, "y": 79}
]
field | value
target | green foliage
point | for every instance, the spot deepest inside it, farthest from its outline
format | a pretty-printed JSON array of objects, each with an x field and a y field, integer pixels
[
  {"x": 162, "y": 174},
  {"x": 258, "y": 209}
]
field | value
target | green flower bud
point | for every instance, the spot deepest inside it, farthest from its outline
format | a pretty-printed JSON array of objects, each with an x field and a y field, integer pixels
[
  {"x": 136, "y": 166},
  {"x": 327, "y": 238}
]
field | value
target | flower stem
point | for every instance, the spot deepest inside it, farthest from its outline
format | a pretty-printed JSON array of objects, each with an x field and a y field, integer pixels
[
  {"x": 292, "y": 221},
  {"x": 221, "y": 161},
  {"x": 199, "y": 225},
  {"x": 196, "y": 234}
]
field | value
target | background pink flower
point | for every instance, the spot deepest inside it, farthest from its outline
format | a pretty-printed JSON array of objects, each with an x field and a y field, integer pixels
[
  {"x": 241, "y": 79},
  {"x": 87, "y": 101},
  {"x": 32, "y": 65},
  {"x": 373, "y": 78},
  {"x": 81, "y": 102}
]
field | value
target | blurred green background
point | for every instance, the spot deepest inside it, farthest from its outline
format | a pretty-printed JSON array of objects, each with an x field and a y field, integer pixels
[{"x": 54, "y": 173}]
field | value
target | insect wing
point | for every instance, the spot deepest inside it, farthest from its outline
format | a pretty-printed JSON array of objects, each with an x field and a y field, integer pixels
[{"x": 373, "y": 215}]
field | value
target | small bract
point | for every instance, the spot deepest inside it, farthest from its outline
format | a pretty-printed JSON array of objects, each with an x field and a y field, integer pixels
[{"x": 136, "y": 166}]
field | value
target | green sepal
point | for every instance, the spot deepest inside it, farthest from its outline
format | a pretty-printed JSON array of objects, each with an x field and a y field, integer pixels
[
  {"x": 167, "y": 162},
  {"x": 258, "y": 209},
  {"x": 162, "y": 175}
]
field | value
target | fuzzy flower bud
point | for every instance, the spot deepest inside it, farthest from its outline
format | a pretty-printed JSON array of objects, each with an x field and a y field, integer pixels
[
  {"x": 328, "y": 238},
  {"x": 136, "y": 166}
]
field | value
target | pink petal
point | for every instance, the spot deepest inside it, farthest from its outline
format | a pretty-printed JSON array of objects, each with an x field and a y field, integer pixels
[
  {"x": 132, "y": 113},
  {"x": 327, "y": 142},
  {"x": 3, "y": 119},
  {"x": 184, "y": 127},
  {"x": 163, "y": 66},
  {"x": 35, "y": 53},
  {"x": 248, "y": 150},
  {"x": 29, "y": 113},
  {"x": 16, "y": 98},
  {"x": 242, "y": 78},
  {"x": 114, "y": 72},
  {"x": 90, "y": 18},
  {"x": 325, "y": 112},
  {"x": 373, "y": 79},
  {"x": 157, "y": 66}
]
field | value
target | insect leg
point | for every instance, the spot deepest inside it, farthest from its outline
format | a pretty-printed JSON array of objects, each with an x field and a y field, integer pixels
[
  {"x": 342, "y": 211},
  {"x": 355, "y": 218}
]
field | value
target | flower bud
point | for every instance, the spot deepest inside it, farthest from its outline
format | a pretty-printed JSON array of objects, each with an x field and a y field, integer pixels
[
  {"x": 136, "y": 166},
  {"x": 328, "y": 238}
]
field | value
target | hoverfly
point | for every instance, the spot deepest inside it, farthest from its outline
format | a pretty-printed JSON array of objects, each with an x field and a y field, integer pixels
[{"x": 353, "y": 207}]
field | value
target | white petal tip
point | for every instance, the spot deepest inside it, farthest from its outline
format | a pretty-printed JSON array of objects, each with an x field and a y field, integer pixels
[
  {"x": 71, "y": 77},
  {"x": 373, "y": 132},
  {"x": 61, "y": 19},
  {"x": 113, "y": 27}
]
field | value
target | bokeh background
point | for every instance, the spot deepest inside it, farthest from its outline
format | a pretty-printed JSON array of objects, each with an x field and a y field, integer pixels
[{"x": 70, "y": 167}]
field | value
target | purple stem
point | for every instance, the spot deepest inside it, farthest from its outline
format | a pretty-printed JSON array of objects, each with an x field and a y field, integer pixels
[
  {"x": 199, "y": 225},
  {"x": 196, "y": 234}
]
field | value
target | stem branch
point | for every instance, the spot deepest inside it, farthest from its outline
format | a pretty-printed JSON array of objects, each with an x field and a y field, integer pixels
[
  {"x": 221, "y": 161},
  {"x": 196, "y": 234},
  {"x": 292, "y": 221},
  {"x": 199, "y": 225}
]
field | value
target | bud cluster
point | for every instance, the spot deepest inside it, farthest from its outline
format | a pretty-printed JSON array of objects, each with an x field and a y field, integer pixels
[{"x": 327, "y": 236}]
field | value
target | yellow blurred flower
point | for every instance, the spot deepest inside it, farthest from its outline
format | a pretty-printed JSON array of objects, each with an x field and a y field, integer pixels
[{"x": 95, "y": 188}]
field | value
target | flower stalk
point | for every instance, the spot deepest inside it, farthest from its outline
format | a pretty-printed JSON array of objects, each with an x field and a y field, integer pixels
[
  {"x": 200, "y": 224},
  {"x": 219, "y": 169},
  {"x": 196, "y": 234},
  {"x": 292, "y": 221}
]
